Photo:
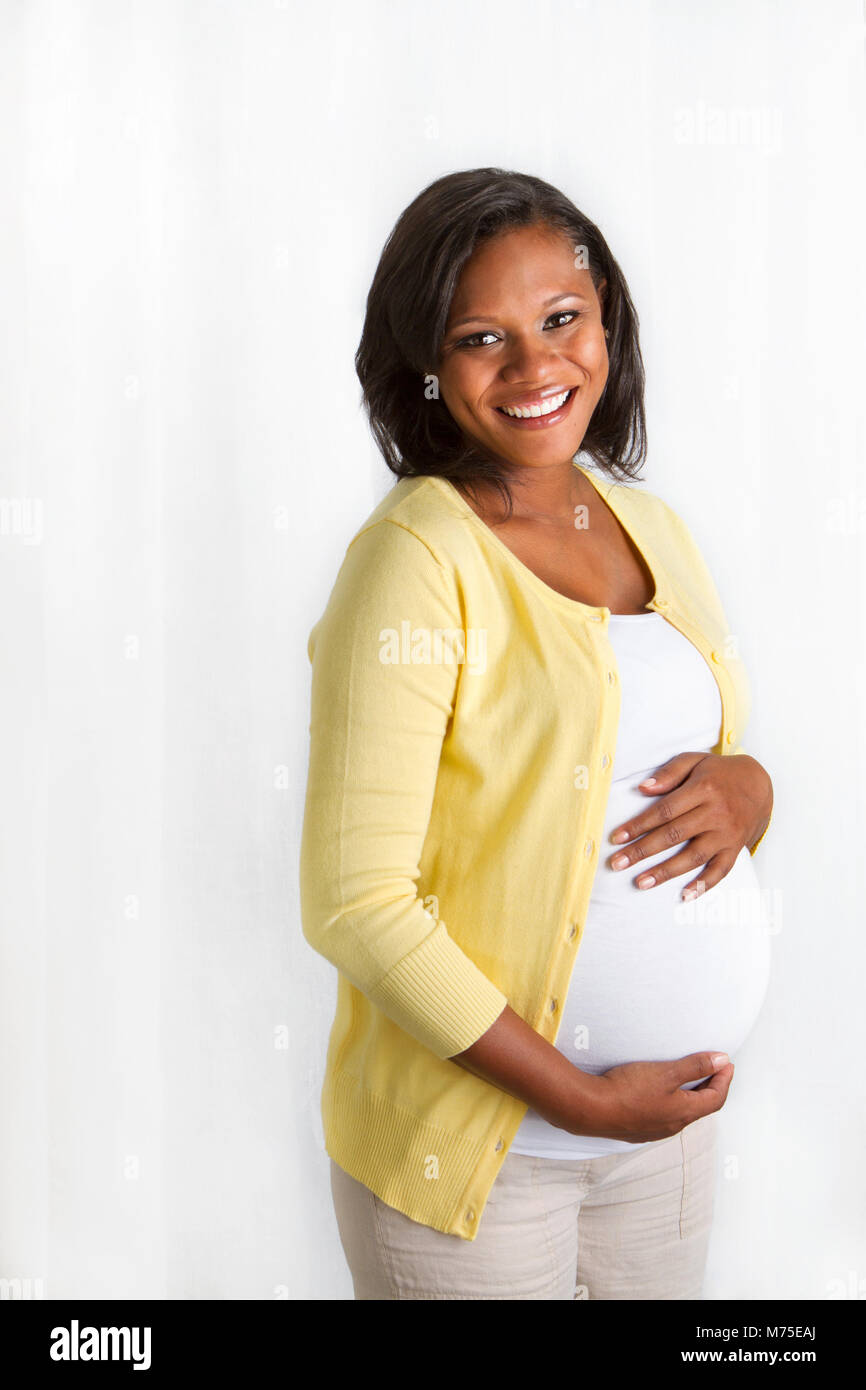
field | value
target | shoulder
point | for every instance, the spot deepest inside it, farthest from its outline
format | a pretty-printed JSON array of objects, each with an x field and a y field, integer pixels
[
  {"x": 655, "y": 514},
  {"x": 402, "y": 561},
  {"x": 418, "y": 520}
]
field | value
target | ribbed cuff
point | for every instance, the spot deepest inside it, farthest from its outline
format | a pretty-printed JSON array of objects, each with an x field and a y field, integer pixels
[{"x": 440, "y": 996}]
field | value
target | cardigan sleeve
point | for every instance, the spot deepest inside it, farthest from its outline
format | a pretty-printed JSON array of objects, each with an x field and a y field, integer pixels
[{"x": 378, "y": 719}]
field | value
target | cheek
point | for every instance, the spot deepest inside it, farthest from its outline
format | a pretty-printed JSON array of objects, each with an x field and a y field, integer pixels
[
  {"x": 592, "y": 353},
  {"x": 597, "y": 364},
  {"x": 452, "y": 400},
  {"x": 460, "y": 391}
]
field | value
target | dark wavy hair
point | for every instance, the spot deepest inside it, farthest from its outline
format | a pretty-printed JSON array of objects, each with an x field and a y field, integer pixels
[{"x": 407, "y": 311}]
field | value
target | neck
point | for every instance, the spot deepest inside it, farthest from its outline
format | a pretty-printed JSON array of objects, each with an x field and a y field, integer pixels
[{"x": 546, "y": 492}]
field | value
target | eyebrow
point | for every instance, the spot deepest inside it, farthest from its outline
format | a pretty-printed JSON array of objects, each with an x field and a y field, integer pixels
[{"x": 471, "y": 318}]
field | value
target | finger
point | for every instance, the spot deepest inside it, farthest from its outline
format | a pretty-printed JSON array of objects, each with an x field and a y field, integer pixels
[
  {"x": 712, "y": 869},
  {"x": 713, "y": 873},
  {"x": 666, "y": 779},
  {"x": 697, "y": 1065},
  {"x": 676, "y": 818},
  {"x": 671, "y": 773},
  {"x": 712, "y": 1093},
  {"x": 696, "y": 854}
]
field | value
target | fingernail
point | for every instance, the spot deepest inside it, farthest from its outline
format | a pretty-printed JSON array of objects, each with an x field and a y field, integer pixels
[
  {"x": 646, "y": 882},
  {"x": 618, "y": 838},
  {"x": 619, "y": 862},
  {"x": 648, "y": 782},
  {"x": 720, "y": 1059}
]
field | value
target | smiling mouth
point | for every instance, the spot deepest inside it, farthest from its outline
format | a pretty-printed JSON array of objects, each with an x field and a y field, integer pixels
[{"x": 537, "y": 411}]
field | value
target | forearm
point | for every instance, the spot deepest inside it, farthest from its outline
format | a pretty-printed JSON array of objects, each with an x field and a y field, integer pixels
[{"x": 512, "y": 1056}]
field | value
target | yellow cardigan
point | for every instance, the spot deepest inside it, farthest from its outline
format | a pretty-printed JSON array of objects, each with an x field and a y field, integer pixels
[{"x": 463, "y": 725}]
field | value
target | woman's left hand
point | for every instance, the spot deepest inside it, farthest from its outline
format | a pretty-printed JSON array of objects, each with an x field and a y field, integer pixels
[{"x": 717, "y": 804}]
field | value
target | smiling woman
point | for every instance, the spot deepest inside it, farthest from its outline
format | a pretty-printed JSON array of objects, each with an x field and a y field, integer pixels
[
  {"x": 529, "y": 368},
  {"x": 429, "y": 330},
  {"x": 552, "y": 1058}
]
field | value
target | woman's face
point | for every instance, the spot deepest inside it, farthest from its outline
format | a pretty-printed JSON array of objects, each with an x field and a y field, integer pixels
[{"x": 524, "y": 328}]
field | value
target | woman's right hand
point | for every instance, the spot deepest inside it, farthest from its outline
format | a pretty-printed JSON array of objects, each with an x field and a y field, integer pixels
[{"x": 642, "y": 1101}]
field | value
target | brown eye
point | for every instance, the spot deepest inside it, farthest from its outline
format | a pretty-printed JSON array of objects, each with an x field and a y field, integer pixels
[
  {"x": 471, "y": 340},
  {"x": 564, "y": 314}
]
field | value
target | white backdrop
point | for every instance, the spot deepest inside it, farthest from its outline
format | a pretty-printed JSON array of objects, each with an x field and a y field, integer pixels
[{"x": 194, "y": 197}]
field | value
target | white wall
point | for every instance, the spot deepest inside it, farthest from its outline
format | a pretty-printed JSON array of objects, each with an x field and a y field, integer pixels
[{"x": 194, "y": 196}]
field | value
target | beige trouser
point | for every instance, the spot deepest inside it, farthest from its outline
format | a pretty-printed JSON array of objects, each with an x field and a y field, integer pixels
[{"x": 626, "y": 1226}]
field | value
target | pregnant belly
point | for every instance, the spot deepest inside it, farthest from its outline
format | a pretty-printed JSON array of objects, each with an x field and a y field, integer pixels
[{"x": 655, "y": 978}]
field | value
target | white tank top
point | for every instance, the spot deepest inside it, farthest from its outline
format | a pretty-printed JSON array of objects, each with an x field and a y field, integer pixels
[{"x": 655, "y": 978}]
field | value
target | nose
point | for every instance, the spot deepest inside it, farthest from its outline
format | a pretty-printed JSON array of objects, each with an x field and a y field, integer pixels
[{"x": 530, "y": 362}]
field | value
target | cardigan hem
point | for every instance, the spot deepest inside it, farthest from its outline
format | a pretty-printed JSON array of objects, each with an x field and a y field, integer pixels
[{"x": 416, "y": 1167}]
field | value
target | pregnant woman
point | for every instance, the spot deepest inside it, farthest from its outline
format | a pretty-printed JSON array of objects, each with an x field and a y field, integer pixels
[{"x": 530, "y": 818}]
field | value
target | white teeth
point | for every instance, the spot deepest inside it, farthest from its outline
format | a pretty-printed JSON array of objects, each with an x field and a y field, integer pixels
[{"x": 531, "y": 411}]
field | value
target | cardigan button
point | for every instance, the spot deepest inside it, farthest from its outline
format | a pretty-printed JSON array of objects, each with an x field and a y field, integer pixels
[
  {"x": 611, "y": 677},
  {"x": 662, "y": 603},
  {"x": 588, "y": 848},
  {"x": 715, "y": 656},
  {"x": 605, "y": 760},
  {"x": 498, "y": 1144},
  {"x": 731, "y": 735},
  {"x": 470, "y": 1215},
  {"x": 572, "y": 930},
  {"x": 554, "y": 1005}
]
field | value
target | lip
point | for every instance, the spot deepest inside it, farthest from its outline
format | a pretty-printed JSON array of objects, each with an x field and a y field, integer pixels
[
  {"x": 540, "y": 422},
  {"x": 535, "y": 397}
]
